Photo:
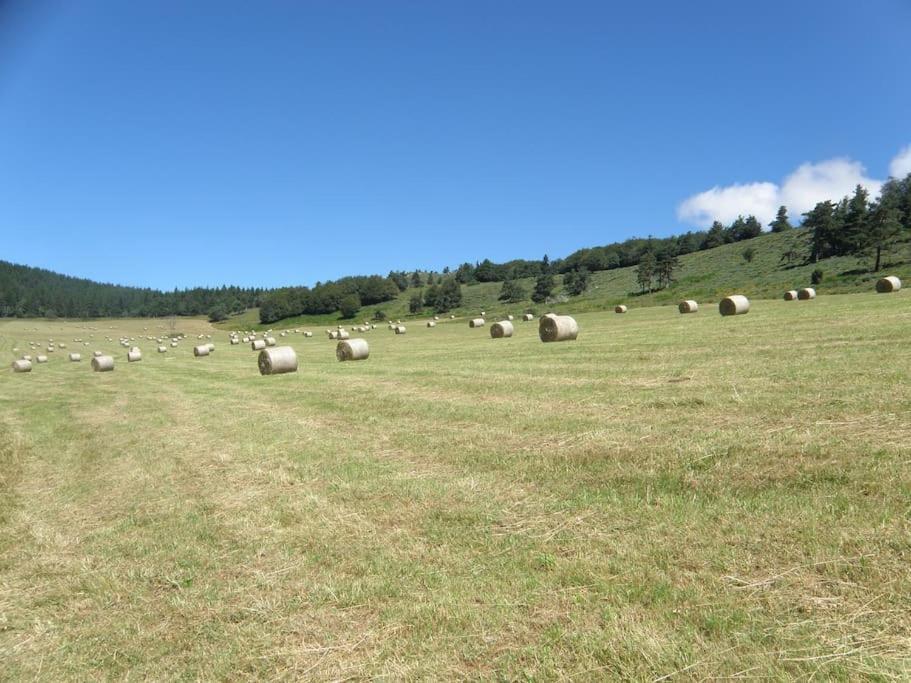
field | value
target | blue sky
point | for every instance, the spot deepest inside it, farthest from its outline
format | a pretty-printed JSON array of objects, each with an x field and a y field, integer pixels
[{"x": 172, "y": 143}]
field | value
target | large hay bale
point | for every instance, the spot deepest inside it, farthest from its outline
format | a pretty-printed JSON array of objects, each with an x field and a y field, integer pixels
[
  {"x": 41, "y": 359},
  {"x": 258, "y": 344},
  {"x": 103, "y": 363},
  {"x": 555, "y": 328},
  {"x": 621, "y": 308},
  {"x": 270, "y": 341},
  {"x": 353, "y": 349},
  {"x": 201, "y": 350},
  {"x": 790, "y": 295},
  {"x": 476, "y": 322},
  {"x": 688, "y": 306},
  {"x": 400, "y": 329},
  {"x": 806, "y": 293},
  {"x": 890, "y": 283},
  {"x": 528, "y": 317},
  {"x": 134, "y": 355},
  {"x": 277, "y": 360},
  {"x": 736, "y": 304},
  {"x": 22, "y": 365},
  {"x": 501, "y": 329},
  {"x": 75, "y": 357}
]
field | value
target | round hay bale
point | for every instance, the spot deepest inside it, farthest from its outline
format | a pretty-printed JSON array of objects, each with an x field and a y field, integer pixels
[
  {"x": 806, "y": 293},
  {"x": 343, "y": 334},
  {"x": 790, "y": 295},
  {"x": 353, "y": 349},
  {"x": 621, "y": 308},
  {"x": 95, "y": 354},
  {"x": 103, "y": 363},
  {"x": 270, "y": 341},
  {"x": 173, "y": 345},
  {"x": 41, "y": 359},
  {"x": 510, "y": 318},
  {"x": 688, "y": 306},
  {"x": 308, "y": 334},
  {"x": 75, "y": 357},
  {"x": 257, "y": 344},
  {"x": 201, "y": 350},
  {"x": 27, "y": 357},
  {"x": 436, "y": 317},
  {"x": 556, "y": 328},
  {"x": 890, "y": 283},
  {"x": 277, "y": 360},
  {"x": 234, "y": 340},
  {"x": 246, "y": 340},
  {"x": 431, "y": 323},
  {"x": 736, "y": 304},
  {"x": 501, "y": 329},
  {"x": 452, "y": 317},
  {"x": 400, "y": 329},
  {"x": 333, "y": 334},
  {"x": 22, "y": 365},
  {"x": 476, "y": 322},
  {"x": 134, "y": 355},
  {"x": 528, "y": 317},
  {"x": 162, "y": 349}
]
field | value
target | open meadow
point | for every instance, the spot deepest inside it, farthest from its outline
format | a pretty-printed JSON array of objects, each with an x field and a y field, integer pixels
[{"x": 668, "y": 495}]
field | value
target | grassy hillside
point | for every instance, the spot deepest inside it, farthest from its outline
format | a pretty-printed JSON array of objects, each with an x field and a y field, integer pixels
[
  {"x": 693, "y": 494},
  {"x": 706, "y": 276}
]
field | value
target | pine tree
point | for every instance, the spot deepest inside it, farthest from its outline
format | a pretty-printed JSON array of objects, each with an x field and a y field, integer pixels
[
  {"x": 781, "y": 223},
  {"x": 645, "y": 273},
  {"x": 544, "y": 287}
]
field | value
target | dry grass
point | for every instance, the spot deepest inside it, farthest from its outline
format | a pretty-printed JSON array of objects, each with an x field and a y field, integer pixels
[{"x": 668, "y": 496}]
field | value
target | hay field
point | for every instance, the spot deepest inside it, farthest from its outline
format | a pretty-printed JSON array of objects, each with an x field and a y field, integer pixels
[{"x": 669, "y": 496}]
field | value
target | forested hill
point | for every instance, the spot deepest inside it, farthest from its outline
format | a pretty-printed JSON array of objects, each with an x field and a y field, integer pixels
[{"x": 28, "y": 292}]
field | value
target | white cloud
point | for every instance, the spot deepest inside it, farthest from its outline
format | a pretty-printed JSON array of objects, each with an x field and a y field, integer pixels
[
  {"x": 901, "y": 164},
  {"x": 800, "y": 191}
]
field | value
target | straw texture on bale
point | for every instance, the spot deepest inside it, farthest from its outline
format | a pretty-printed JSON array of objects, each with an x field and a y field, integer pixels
[
  {"x": 75, "y": 357},
  {"x": 736, "y": 304},
  {"x": 353, "y": 349},
  {"x": 555, "y": 328},
  {"x": 22, "y": 366},
  {"x": 501, "y": 329},
  {"x": 201, "y": 350},
  {"x": 790, "y": 295},
  {"x": 806, "y": 293},
  {"x": 277, "y": 360},
  {"x": 41, "y": 359},
  {"x": 134, "y": 355},
  {"x": 476, "y": 322},
  {"x": 688, "y": 306},
  {"x": 528, "y": 317},
  {"x": 102, "y": 363},
  {"x": 257, "y": 345},
  {"x": 890, "y": 283},
  {"x": 620, "y": 309}
]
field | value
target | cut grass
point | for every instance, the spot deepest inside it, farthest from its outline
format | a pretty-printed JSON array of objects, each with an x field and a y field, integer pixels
[{"x": 668, "y": 494}]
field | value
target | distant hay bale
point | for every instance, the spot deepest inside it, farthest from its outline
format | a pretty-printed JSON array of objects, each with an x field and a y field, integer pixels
[
  {"x": 501, "y": 329},
  {"x": 890, "y": 283},
  {"x": 277, "y": 360},
  {"x": 103, "y": 363},
  {"x": 688, "y": 306},
  {"x": 510, "y": 318},
  {"x": 736, "y": 304},
  {"x": 134, "y": 355},
  {"x": 246, "y": 340},
  {"x": 436, "y": 317},
  {"x": 790, "y": 295},
  {"x": 27, "y": 357},
  {"x": 452, "y": 317},
  {"x": 333, "y": 334},
  {"x": 353, "y": 349},
  {"x": 201, "y": 350},
  {"x": 174, "y": 345},
  {"x": 806, "y": 293},
  {"x": 400, "y": 329},
  {"x": 270, "y": 341},
  {"x": 95, "y": 354},
  {"x": 476, "y": 322},
  {"x": 41, "y": 359},
  {"x": 556, "y": 328},
  {"x": 22, "y": 365},
  {"x": 211, "y": 347},
  {"x": 343, "y": 334},
  {"x": 620, "y": 309},
  {"x": 308, "y": 334},
  {"x": 483, "y": 314},
  {"x": 528, "y": 317},
  {"x": 431, "y": 323},
  {"x": 75, "y": 357},
  {"x": 162, "y": 349},
  {"x": 234, "y": 340}
]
